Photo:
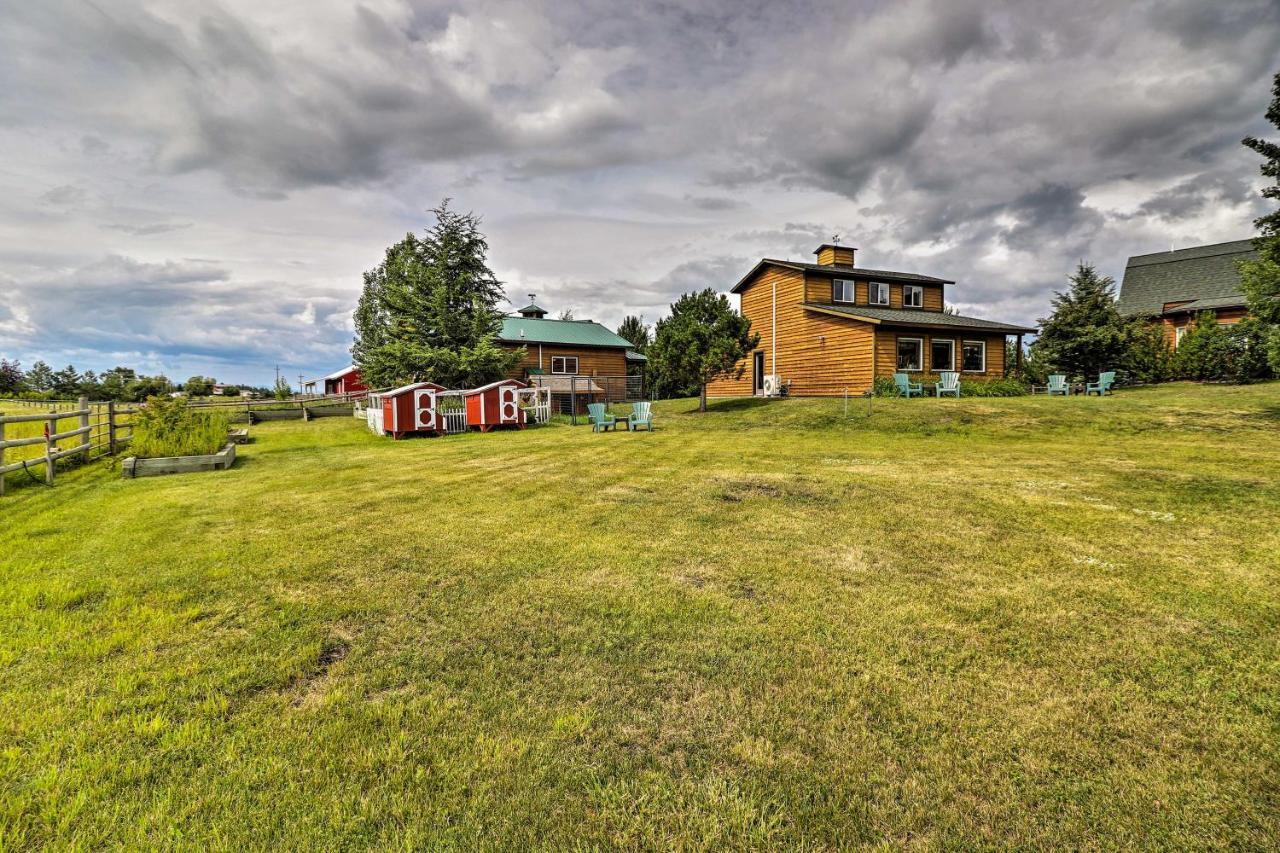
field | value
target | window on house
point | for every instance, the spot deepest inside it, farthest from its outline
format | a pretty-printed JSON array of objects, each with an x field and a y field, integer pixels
[
  {"x": 910, "y": 353},
  {"x": 564, "y": 364},
  {"x": 878, "y": 293},
  {"x": 973, "y": 356},
  {"x": 841, "y": 291},
  {"x": 912, "y": 296},
  {"x": 1177, "y": 335},
  {"x": 943, "y": 355}
]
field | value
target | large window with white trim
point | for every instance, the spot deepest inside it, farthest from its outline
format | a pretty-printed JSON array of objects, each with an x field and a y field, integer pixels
[
  {"x": 877, "y": 293},
  {"x": 564, "y": 364},
  {"x": 912, "y": 296},
  {"x": 942, "y": 354},
  {"x": 973, "y": 355},
  {"x": 841, "y": 290},
  {"x": 910, "y": 354}
]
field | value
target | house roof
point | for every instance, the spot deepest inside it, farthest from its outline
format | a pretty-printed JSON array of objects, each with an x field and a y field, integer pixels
[
  {"x": 916, "y": 317},
  {"x": 338, "y": 374},
  {"x": 1206, "y": 304},
  {"x": 838, "y": 272},
  {"x": 632, "y": 355},
  {"x": 581, "y": 333},
  {"x": 1199, "y": 274},
  {"x": 533, "y": 310}
]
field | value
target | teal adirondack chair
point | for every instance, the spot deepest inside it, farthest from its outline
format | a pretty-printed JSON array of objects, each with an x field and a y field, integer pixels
[
  {"x": 1103, "y": 385},
  {"x": 600, "y": 422},
  {"x": 948, "y": 383},
  {"x": 906, "y": 387},
  {"x": 1057, "y": 385},
  {"x": 640, "y": 414}
]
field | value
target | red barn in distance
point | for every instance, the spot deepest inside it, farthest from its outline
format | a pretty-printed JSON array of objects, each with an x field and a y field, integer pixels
[{"x": 344, "y": 381}]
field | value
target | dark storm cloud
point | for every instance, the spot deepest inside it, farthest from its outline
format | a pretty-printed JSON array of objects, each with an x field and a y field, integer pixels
[{"x": 992, "y": 142}]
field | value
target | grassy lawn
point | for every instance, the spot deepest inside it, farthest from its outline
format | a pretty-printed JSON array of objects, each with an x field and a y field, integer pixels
[{"x": 962, "y": 623}]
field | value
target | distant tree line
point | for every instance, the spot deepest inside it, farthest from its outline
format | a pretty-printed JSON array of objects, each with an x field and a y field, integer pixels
[{"x": 123, "y": 384}]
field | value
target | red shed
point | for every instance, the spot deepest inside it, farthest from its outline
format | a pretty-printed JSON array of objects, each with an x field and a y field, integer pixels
[
  {"x": 495, "y": 405},
  {"x": 412, "y": 408},
  {"x": 345, "y": 381}
]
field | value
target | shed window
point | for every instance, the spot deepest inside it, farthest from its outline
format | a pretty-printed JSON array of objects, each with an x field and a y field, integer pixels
[
  {"x": 564, "y": 364},
  {"x": 910, "y": 353},
  {"x": 974, "y": 354},
  {"x": 943, "y": 355},
  {"x": 878, "y": 293},
  {"x": 913, "y": 296},
  {"x": 841, "y": 290}
]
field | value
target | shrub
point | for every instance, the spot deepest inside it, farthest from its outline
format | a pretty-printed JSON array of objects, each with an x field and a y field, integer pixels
[
  {"x": 1212, "y": 352},
  {"x": 169, "y": 427},
  {"x": 1149, "y": 358},
  {"x": 992, "y": 388},
  {"x": 884, "y": 386}
]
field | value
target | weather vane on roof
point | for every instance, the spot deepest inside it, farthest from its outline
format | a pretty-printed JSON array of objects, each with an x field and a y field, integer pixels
[
  {"x": 835, "y": 239},
  {"x": 531, "y": 299}
]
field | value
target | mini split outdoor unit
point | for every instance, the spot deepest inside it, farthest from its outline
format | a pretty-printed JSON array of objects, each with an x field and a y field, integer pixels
[{"x": 772, "y": 385}]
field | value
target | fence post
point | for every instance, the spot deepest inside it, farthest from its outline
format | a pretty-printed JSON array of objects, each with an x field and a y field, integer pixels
[
  {"x": 2, "y": 474},
  {"x": 86, "y": 438},
  {"x": 111, "y": 427},
  {"x": 50, "y": 430}
]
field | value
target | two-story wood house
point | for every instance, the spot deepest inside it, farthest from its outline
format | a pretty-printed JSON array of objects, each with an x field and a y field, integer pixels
[
  {"x": 832, "y": 327},
  {"x": 1173, "y": 288}
]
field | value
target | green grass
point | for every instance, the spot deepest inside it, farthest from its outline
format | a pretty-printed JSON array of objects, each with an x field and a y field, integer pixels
[{"x": 1012, "y": 622}]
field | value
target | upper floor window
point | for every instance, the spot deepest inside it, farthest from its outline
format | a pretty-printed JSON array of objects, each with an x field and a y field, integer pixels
[
  {"x": 564, "y": 364},
  {"x": 912, "y": 296},
  {"x": 878, "y": 293},
  {"x": 841, "y": 290}
]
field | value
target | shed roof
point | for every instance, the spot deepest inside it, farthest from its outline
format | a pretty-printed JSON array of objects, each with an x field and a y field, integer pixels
[
  {"x": 583, "y": 333},
  {"x": 838, "y": 272},
  {"x": 1199, "y": 273},
  {"x": 917, "y": 317}
]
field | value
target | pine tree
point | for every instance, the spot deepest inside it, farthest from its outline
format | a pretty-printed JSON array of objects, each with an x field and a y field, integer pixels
[
  {"x": 1260, "y": 279},
  {"x": 40, "y": 377},
  {"x": 1085, "y": 335},
  {"x": 636, "y": 331},
  {"x": 429, "y": 311},
  {"x": 704, "y": 339}
]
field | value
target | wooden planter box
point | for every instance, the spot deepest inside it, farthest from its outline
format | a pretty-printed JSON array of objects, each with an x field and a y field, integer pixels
[
  {"x": 238, "y": 436},
  {"x": 223, "y": 459}
]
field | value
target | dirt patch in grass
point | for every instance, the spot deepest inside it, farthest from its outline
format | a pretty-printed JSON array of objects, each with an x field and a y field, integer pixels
[{"x": 310, "y": 689}]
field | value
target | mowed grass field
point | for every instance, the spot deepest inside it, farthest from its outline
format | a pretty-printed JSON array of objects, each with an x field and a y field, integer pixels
[{"x": 1021, "y": 622}]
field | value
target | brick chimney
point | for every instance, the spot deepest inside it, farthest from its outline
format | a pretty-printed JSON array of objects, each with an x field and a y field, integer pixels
[{"x": 834, "y": 255}]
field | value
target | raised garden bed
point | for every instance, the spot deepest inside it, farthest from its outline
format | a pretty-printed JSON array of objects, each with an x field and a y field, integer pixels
[
  {"x": 223, "y": 459},
  {"x": 238, "y": 436}
]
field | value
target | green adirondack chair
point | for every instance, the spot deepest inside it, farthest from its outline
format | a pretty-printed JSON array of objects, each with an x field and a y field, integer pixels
[
  {"x": 906, "y": 387},
  {"x": 600, "y": 422},
  {"x": 948, "y": 383},
  {"x": 1057, "y": 385},
  {"x": 1103, "y": 385},
  {"x": 640, "y": 414}
]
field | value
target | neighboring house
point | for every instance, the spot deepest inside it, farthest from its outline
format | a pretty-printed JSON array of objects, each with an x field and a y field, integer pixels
[
  {"x": 832, "y": 327},
  {"x": 344, "y": 381},
  {"x": 571, "y": 357},
  {"x": 1173, "y": 287}
]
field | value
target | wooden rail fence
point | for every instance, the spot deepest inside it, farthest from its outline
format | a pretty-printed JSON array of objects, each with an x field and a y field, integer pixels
[{"x": 102, "y": 428}]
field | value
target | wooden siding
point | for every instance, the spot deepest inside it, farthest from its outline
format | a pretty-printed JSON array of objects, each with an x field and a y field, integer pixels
[
  {"x": 1225, "y": 316},
  {"x": 887, "y": 351},
  {"x": 836, "y": 255},
  {"x": 592, "y": 361},
  {"x": 818, "y": 288}
]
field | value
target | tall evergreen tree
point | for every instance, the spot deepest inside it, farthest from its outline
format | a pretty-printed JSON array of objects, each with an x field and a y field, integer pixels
[
  {"x": 635, "y": 330},
  {"x": 1085, "y": 335},
  {"x": 703, "y": 339},
  {"x": 40, "y": 377},
  {"x": 429, "y": 311},
  {"x": 1260, "y": 279}
]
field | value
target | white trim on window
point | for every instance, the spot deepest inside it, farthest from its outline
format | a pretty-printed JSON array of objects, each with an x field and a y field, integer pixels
[
  {"x": 982, "y": 347},
  {"x": 919, "y": 360},
  {"x": 877, "y": 289},
  {"x": 1177, "y": 335},
  {"x": 912, "y": 290},
  {"x": 951, "y": 354},
  {"x": 842, "y": 290},
  {"x": 564, "y": 364}
]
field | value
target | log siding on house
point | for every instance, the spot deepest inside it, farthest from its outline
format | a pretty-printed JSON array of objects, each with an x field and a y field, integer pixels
[
  {"x": 829, "y": 348},
  {"x": 592, "y": 361}
]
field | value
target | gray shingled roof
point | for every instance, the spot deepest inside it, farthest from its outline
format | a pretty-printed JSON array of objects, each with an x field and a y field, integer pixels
[
  {"x": 840, "y": 272},
  {"x": 1201, "y": 273},
  {"x": 917, "y": 317}
]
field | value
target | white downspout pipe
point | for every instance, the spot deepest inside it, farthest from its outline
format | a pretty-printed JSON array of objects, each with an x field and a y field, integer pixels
[{"x": 773, "y": 334}]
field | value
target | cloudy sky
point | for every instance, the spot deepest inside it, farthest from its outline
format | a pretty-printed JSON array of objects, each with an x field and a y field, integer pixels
[{"x": 197, "y": 187}]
